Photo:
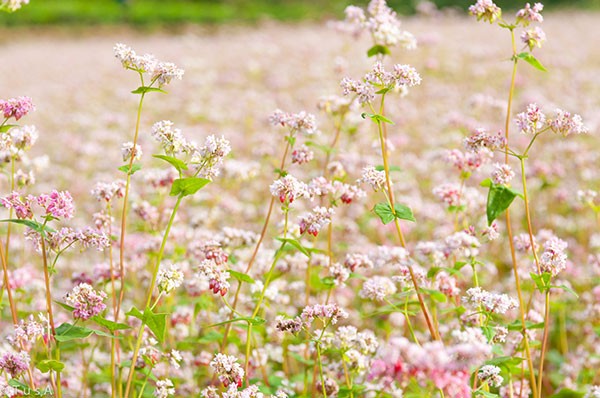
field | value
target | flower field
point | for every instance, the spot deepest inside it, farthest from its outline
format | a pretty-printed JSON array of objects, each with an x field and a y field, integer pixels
[{"x": 301, "y": 210}]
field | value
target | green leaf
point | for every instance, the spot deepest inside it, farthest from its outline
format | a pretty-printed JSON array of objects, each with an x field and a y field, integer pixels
[
  {"x": 68, "y": 332},
  {"x": 435, "y": 295},
  {"x": 566, "y": 289},
  {"x": 178, "y": 164},
  {"x": 110, "y": 325},
  {"x": 36, "y": 226},
  {"x": 404, "y": 212},
  {"x": 134, "y": 167},
  {"x": 499, "y": 199},
  {"x": 241, "y": 277},
  {"x": 7, "y": 127},
  {"x": 386, "y": 215},
  {"x": 567, "y": 393},
  {"x": 18, "y": 385},
  {"x": 391, "y": 168},
  {"x": 542, "y": 281},
  {"x": 157, "y": 323},
  {"x": 531, "y": 60},
  {"x": 482, "y": 393},
  {"x": 376, "y": 118},
  {"x": 50, "y": 364},
  {"x": 188, "y": 186},
  {"x": 296, "y": 244},
  {"x": 378, "y": 49},
  {"x": 146, "y": 89},
  {"x": 517, "y": 325},
  {"x": 384, "y": 212}
]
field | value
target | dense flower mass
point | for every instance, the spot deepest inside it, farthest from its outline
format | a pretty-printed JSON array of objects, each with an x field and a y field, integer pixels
[
  {"x": 86, "y": 301},
  {"x": 401, "y": 242}
]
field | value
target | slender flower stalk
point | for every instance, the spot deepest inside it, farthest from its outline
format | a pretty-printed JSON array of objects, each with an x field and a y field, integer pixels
[
  {"x": 261, "y": 237},
  {"x": 390, "y": 196},
  {"x": 148, "y": 300},
  {"x": 508, "y": 220}
]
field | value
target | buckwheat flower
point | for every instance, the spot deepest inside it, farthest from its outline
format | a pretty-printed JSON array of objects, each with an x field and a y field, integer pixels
[
  {"x": 491, "y": 232},
  {"x": 217, "y": 277},
  {"x": 330, "y": 385},
  {"x": 26, "y": 333},
  {"x": 23, "y": 178},
  {"x": 566, "y": 123},
  {"x": 530, "y": 14},
  {"x": 227, "y": 369},
  {"x": 448, "y": 193},
  {"x": 481, "y": 139},
  {"x": 446, "y": 284},
  {"x": 16, "y": 107},
  {"x": 21, "y": 139},
  {"x": 302, "y": 155},
  {"x": 593, "y": 392},
  {"x": 533, "y": 37},
  {"x": 491, "y": 302},
  {"x": 106, "y": 191},
  {"x": 301, "y": 122},
  {"x": 377, "y": 288},
  {"x": 319, "y": 187},
  {"x": 346, "y": 192},
  {"x": 210, "y": 156},
  {"x": 327, "y": 312},
  {"x": 5, "y": 389},
  {"x": 365, "y": 92},
  {"x": 491, "y": 375},
  {"x": 164, "y": 72},
  {"x": 164, "y": 388},
  {"x": 128, "y": 151},
  {"x": 313, "y": 222},
  {"x": 530, "y": 121},
  {"x": 293, "y": 325},
  {"x": 520, "y": 388},
  {"x": 21, "y": 206},
  {"x": 485, "y": 10},
  {"x": 169, "y": 279},
  {"x": 375, "y": 178},
  {"x": 523, "y": 242},
  {"x": 87, "y": 301},
  {"x": 339, "y": 273},
  {"x": 57, "y": 204},
  {"x": 170, "y": 138},
  {"x": 468, "y": 161},
  {"x": 14, "y": 363},
  {"x": 288, "y": 188},
  {"x": 354, "y": 261},
  {"x": 406, "y": 75},
  {"x": 502, "y": 174},
  {"x": 554, "y": 258},
  {"x": 126, "y": 55},
  {"x": 89, "y": 237}
]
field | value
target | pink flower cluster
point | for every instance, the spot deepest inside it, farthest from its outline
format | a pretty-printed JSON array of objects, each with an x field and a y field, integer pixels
[
  {"x": 56, "y": 204},
  {"x": 87, "y": 301},
  {"x": 16, "y": 107}
]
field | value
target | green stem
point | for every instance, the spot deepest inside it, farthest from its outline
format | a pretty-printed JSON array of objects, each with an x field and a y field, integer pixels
[
  {"x": 544, "y": 342},
  {"x": 140, "y": 334},
  {"x": 125, "y": 203},
  {"x": 508, "y": 221},
  {"x": 384, "y": 155}
]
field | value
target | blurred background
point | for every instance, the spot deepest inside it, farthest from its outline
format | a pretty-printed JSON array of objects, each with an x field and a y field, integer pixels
[{"x": 149, "y": 13}]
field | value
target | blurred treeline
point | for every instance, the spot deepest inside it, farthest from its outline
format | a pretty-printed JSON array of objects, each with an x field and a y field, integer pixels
[{"x": 173, "y": 12}]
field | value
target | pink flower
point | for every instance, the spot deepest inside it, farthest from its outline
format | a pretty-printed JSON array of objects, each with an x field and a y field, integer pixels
[
  {"x": 16, "y": 107},
  {"x": 86, "y": 300},
  {"x": 57, "y": 204}
]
